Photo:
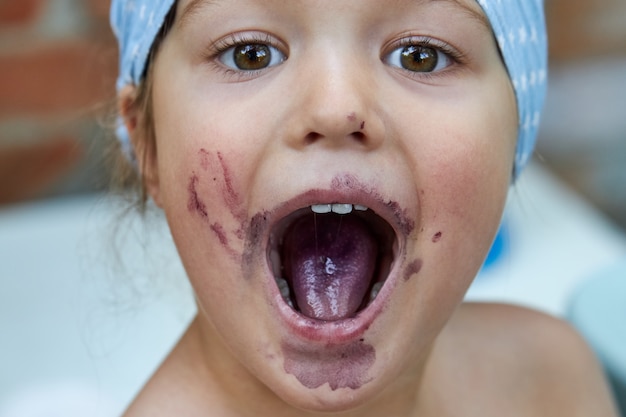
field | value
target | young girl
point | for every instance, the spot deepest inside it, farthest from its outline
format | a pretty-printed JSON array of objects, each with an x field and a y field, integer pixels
[{"x": 333, "y": 174}]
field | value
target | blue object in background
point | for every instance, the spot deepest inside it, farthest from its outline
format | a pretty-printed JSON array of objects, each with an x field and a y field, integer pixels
[
  {"x": 598, "y": 310},
  {"x": 499, "y": 248}
]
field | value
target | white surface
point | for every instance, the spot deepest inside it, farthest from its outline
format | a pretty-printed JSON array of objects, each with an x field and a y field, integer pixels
[
  {"x": 74, "y": 314},
  {"x": 598, "y": 310},
  {"x": 81, "y": 329},
  {"x": 557, "y": 241}
]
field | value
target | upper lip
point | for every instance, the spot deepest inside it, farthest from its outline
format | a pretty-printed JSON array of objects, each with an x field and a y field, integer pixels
[{"x": 386, "y": 209}]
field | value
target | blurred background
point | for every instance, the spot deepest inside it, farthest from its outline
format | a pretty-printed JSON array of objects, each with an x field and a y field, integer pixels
[
  {"x": 584, "y": 129},
  {"x": 58, "y": 65},
  {"x": 57, "y": 73}
]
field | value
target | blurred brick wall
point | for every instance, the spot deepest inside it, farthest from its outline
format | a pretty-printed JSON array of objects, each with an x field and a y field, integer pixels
[
  {"x": 585, "y": 29},
  {"x": 583, "y": 135},
  {"x": 58, "y": 62}
]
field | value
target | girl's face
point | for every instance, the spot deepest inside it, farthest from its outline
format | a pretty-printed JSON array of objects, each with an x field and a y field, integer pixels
[{"x": 266, "y": 111}]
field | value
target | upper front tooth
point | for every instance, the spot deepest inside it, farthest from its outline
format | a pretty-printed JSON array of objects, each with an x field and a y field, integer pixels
[
  {"x": 342, "y": 208},
  {"x": 321, "y": 208},
  {"x": 338, "y": 208}
]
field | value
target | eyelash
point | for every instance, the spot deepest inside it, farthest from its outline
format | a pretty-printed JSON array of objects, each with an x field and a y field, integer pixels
[
  {"x": 454, "y": 55},
  {"x": 217, "y": 49}
]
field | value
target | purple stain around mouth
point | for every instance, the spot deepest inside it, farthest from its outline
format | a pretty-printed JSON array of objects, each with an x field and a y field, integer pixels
[
  {"x": 406, "y": 223},
  {"x": 338, "y": 366},
  {"x": 412, "y": 269},
  {"x": 194, "y": 204},
  {"x": 252, "y": 249},
  {"x": 350, "y": 182}
]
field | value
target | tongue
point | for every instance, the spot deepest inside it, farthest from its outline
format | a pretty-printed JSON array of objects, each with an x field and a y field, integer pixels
[{"x": 329, "y": 261}]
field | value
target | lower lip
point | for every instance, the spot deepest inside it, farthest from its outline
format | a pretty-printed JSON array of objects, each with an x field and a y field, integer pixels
[{"x": 334, "y": 332}]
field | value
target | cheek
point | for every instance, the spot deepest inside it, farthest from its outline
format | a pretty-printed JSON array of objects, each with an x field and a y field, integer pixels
[
  {"x": 465, "y": 177},
  {"x": 204, "y": 206},
  {"x": 468, "y": 173},
  {"x": 470, "y": 157}
]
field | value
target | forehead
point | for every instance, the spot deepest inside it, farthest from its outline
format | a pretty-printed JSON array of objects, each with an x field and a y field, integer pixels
[{"x": 468, "y": 8}]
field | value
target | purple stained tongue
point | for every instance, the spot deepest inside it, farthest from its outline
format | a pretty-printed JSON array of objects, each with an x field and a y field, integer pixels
[{"x": 329, "y": 261}]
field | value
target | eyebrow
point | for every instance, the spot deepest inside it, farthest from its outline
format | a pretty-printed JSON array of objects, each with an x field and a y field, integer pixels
[
  {"x": 195, "y": 5},
  {"x": 475, "y": 14}
]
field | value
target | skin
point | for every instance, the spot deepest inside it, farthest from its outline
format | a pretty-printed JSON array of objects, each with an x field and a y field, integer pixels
[{"x": 236, "y": 150}]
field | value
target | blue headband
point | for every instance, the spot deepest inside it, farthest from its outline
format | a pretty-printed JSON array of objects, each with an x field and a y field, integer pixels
[
  {"x": 518, "y": 25},
  {"x": 520, "y": 29}
]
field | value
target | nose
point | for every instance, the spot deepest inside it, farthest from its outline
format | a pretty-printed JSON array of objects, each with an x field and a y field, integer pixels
[{"x": 336, "y": 107}]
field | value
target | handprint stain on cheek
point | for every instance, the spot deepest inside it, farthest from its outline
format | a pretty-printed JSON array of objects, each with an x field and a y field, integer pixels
[
  {"x": 338, "y": 366},
  {"x": 194, "y": 204},
  {"x": 216, "y": 164},
  {"x": 220, "y": 233},
  {"x": 230, "y": 195},
  {"x": 220, "y": 180}
]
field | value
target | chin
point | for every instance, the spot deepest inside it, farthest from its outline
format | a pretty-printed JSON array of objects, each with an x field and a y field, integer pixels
[{"x": 325, "y": 399}]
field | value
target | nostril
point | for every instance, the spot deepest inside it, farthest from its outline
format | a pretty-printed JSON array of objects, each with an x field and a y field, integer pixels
[
  {"x": 312, "y": 137},
  {"x": 359, "y": 136}
]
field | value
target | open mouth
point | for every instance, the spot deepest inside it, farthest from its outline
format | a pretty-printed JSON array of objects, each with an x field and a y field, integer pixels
[{"x": 331, "y": 260}]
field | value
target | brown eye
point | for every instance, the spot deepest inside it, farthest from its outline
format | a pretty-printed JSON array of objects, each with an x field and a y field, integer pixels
[
  {"x": 418, "y": 58},
  {"x": 251, "y": 57}
]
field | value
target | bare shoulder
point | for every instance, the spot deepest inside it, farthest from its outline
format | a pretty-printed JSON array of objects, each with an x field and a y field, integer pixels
[
  {"x": 173, "y": 390},
  {"x": 541, "y": 360},
  {"x": 161, "y": 395}
]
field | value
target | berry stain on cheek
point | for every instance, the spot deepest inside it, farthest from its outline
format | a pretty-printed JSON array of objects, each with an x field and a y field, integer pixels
[
  {"x": 214, "y": 176},
  {"x": 412, "y": 269},
  {"x": 195, "y": 205},
  {"x": 216, "y": 163}
]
